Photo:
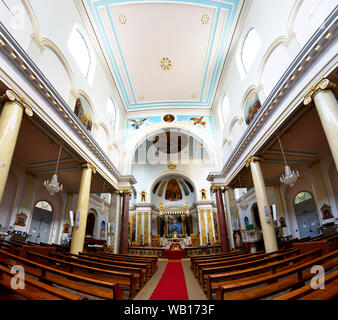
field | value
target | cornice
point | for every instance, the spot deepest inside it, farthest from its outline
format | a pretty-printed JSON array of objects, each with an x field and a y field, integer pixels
[
  {"x": 17, "y": 57},
  {"x": 315, "y": 47}
]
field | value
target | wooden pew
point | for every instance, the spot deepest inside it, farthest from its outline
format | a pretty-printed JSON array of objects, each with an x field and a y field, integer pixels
[
  {"x": 205, "y": 271},
  {"x": 150, "y": 263},
  {"x": 234, "y": 260},
  {"x": 139, "y": 272},
  {"x": 126, "y": 280},
  {"x": 306, "y": 292},
  {"x": 33, "y": 289},
  {"x": 49, "y": 275},
  {"x": 267, "y": 285},
  {"x": 213, "y": 281},
  {"x": 127, "y": 257},
  {"x": 145, "y": 267},
  {"x": 206, "y": 258}
]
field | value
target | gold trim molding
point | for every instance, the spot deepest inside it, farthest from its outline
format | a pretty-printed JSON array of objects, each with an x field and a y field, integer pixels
[
  {"x": 12, "y": 96},
  {"x": 252, "y": 159},
  {"x": 322, "y": 84}
]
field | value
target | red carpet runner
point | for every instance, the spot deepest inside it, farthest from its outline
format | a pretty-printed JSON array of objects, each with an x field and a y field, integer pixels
[{"x": 172, "y": 284}]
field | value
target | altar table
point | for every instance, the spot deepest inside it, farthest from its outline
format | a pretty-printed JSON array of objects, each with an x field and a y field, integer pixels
[{"x": 174, "y": 254}]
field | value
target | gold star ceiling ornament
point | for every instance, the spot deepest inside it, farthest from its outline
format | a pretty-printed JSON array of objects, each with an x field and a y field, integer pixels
[
  {"x": 122, "y": 18},
  {"x": 166, "y": 64},
  {"x": 205, "y": 18}
]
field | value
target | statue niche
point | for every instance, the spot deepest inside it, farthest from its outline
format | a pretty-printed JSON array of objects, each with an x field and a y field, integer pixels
[{"x": 173, "y": 192}]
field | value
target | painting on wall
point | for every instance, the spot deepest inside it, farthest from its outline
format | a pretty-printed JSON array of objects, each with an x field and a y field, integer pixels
[
  {"x": 173, "y": 191},
  {"x": 20, "y": 219},
  {"x": 135, "y": 125},
  {"x": 84, "y": 113},
  {"x": 169, "y": 118},
  {"x": 251, "y": 106},
  {"x": 175, "y": 224}
]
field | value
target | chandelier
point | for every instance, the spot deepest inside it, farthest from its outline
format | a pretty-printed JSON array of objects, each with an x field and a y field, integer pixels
[
  {"x": 102, "y": 207},
  {"x": 53, "y": 185},
  {"x": 289, "y": 177}
]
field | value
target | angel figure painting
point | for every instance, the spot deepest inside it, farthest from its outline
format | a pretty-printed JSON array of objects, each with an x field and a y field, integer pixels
[
  {"x": 198, "y": 121},
  {"x": 137, "y": 124}
]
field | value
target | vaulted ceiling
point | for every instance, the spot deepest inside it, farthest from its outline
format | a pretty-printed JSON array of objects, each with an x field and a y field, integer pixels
[{"x": 164, "y": 54}]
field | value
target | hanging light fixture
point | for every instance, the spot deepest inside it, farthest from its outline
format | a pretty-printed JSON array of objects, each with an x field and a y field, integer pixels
[
  {"x": 289, "y": 177},
  {"x": 102, "y": 207},
  {"x": 53, "y": 185},
  {"x": 243, "y": 205}
]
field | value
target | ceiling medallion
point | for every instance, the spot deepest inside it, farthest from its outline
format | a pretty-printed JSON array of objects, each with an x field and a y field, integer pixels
[
  {"x": 205, "y": 19},
  {"x": 166, "y": 64},
  {"x": 122, "y": 18},
  {"x": 169, "y": 118}
]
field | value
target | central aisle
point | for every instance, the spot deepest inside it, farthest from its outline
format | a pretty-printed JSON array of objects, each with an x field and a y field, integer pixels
[
  {"x": 172, "y": 285},
  {"x": 172, "y": 276}
]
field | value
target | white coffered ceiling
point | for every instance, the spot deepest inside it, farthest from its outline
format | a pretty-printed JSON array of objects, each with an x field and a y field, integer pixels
[{"x": 191, "y": 37}]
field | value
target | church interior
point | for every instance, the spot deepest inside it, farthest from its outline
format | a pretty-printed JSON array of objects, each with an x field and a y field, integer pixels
[{"x": 193, "y": 157}]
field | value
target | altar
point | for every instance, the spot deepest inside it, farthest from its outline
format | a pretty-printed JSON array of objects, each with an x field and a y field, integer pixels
[{"x": 174, "y": 252}]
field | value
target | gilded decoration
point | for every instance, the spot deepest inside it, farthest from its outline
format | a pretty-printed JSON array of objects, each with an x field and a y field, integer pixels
[
  {"x": 122, "y": 18},
  {"x": 166, "y": 64},
  {"x": 205, "y": 19}
]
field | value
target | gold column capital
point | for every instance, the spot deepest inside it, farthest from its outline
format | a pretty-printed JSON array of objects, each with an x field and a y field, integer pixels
[
  {"x": 89, "y": 166},
  {"x": 322, "y": 84},
  {"x": 252, "y": 159},
  {"x": 12, "y": 96},
  {"x": 125, "y": 190},
  {"x": 217, "y": 187}
]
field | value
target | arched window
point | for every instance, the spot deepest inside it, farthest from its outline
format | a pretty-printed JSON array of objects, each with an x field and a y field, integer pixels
[
  {"x": 251, "y": 45},
  {"x": 81, "y": 52},
  {"x": 225, "y": 108},
  {"x": 302, "y": 196},
  {"x": 111, "y": 112},
  {"x": 44, "y": 205}
]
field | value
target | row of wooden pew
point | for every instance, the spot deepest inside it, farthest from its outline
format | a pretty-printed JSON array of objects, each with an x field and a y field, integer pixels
[
  {"x": 53, "y": 274},
  {"x": 245, "y": 276}
]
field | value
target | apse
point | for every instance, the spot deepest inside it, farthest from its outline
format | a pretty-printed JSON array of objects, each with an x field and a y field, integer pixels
[{"x": 173, "y": 191}]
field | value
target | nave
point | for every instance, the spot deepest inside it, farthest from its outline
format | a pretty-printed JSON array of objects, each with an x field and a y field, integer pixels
[
  {"x": 52, "y": 273},
  {"x": 159, "y": 150}
]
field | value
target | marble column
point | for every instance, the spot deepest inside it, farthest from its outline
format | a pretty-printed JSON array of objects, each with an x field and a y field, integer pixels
[
  {"x": 79, "y": 232},
  {"x": 26, "y": 200},
  {"x": 125, "y": 222},
  {"x": 327, "y": 108},
  {"x": 319, "y": 185},
  {"x": 268, "y": 230},
  {"x": 10, "y": 122},
  {"x": 210, "y": 227},
  {"x": 223, "y": 229},
  {"x": 117, "y": 222},
  {"x": 146, "y": 228},
  {"x": 188, "y": 219},
  {"x": 112, "y": 219},
  {"x": 228, "y": 216}
]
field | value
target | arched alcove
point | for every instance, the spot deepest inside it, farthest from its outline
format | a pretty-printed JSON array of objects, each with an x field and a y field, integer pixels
[
  {"x": 173, "y": 190},
  {"x": 306, "y": 215}
]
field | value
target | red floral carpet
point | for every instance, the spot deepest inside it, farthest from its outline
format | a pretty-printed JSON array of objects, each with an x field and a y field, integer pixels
[{"x": 172, "y": 284}]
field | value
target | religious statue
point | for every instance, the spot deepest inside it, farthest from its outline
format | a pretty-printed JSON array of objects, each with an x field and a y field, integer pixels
[
  {"x": 143, "y": 196},
  {"x": 203, "y": 194}
]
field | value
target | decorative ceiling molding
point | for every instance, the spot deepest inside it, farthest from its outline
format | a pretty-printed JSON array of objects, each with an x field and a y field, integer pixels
[{"x": 220, "y": 18}]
